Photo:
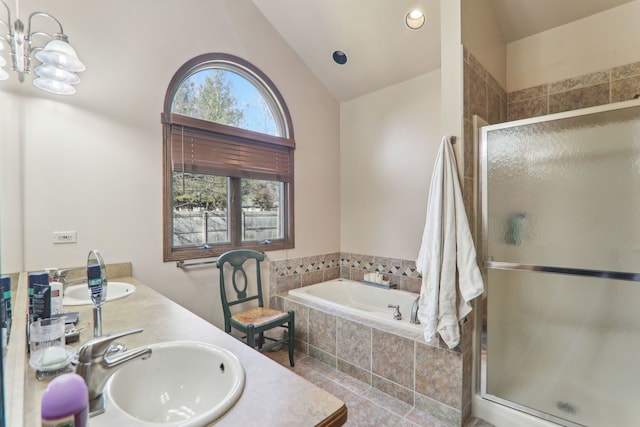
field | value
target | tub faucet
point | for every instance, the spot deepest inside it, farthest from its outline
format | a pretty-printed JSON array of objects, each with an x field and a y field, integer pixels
[
  {"x": 396, "y": 314},
  {"x": 97, "y": 362},
  {"x": 414, "y": 311}
]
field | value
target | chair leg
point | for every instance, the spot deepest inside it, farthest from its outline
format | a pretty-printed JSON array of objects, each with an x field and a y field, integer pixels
[
  {"x": 251, "y": 336},
  {"x": 292, "y": 337},
  {"x": 260, "y": 340}
]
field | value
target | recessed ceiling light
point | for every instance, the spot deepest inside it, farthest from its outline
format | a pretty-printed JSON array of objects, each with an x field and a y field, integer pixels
[
  {"x": 340, "y": 57},
  {"x": 415, "y": 19}
]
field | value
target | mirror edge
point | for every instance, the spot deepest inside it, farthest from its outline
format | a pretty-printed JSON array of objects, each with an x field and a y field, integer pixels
[{"x": 15, "y": 362}]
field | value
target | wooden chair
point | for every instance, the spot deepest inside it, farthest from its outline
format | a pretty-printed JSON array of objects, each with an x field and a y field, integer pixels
[{"x": 257, "y": 320}]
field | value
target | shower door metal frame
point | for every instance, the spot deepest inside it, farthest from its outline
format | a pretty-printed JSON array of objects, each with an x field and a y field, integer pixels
[{"x": 489, "y": 264}]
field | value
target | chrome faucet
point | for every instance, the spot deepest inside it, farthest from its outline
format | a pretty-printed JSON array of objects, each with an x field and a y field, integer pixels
[
  {"x": 396, "y": 314},
  {"x": 97, "y": 362},
  {"x": 60, "y": 275},
  {"x": 414, "y": 311}
]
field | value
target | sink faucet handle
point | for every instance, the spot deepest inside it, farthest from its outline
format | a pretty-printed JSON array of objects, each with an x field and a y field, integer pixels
[
  {"x": 98, "y": 347},
  {"x": 58, "y": 274}
]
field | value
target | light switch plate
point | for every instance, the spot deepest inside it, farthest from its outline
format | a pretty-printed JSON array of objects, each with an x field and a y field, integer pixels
[{"x": 65, "y": 237}]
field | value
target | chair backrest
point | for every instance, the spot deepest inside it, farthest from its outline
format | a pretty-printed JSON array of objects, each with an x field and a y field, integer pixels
[{"x": 237, "y": 259}]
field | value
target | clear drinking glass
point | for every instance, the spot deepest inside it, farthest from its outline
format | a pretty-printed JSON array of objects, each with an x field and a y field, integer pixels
[{"x": 46, "y": 338}]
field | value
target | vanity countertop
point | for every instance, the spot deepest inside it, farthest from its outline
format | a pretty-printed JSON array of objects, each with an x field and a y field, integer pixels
[{"x": 273, "y": 395}]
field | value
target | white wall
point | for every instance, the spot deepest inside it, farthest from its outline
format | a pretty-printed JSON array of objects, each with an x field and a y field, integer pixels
[
  {"x": 598, "y": 42},
  {"x": 11, "y": 187},
  {"x": 481, "y": 36},
  {"x": 452, "y": 65},
  {"x": 93, "y": 162},
  {"x": 389, "y": 141}
]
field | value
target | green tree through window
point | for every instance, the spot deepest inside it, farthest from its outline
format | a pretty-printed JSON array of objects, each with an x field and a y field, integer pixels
[{"x": 212, "y": 100}]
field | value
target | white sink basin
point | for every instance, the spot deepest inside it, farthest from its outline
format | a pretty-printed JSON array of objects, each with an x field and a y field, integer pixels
[
  {"x": 183, "y": 383},
  {"x": 79, "y": 294}
]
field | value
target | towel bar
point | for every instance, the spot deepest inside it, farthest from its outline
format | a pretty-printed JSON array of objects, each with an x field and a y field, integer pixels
[{"x": 182, "y": 264}]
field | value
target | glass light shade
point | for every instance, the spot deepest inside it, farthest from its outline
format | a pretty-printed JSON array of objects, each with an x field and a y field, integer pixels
[
  {"x": 3, "y": 74},
  {"x": 54, "y": 86},
  {"x": 3, "y": 61},
  {"x": 415, "y": 19},
  {"x": 61, "y": 55},
  {"x": 54, "y": 73}
]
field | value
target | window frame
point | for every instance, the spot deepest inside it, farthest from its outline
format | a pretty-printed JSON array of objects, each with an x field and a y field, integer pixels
[{"x": 224, "y": 134}]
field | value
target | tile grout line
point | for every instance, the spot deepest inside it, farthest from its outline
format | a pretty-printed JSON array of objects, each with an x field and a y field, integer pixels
[{"x": 334, "y": 379}]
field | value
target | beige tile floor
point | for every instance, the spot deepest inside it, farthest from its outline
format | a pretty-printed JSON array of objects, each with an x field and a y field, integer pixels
[{"x": 366, "y": 405}]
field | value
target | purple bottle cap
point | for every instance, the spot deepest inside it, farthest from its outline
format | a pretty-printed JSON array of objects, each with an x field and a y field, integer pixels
[{"x": 65, "y": 395}]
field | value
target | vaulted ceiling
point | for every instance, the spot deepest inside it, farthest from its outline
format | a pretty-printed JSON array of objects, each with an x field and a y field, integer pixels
[{"x": 381, "y": 50}]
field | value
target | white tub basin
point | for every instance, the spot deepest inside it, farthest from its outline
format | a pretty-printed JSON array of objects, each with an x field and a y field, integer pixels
[
  {"x": 79, "y": 294},
  {"x": 183, "y": 383}
]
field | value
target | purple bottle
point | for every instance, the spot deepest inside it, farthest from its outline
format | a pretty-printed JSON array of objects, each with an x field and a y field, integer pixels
[{"x": 65, "y": 402}]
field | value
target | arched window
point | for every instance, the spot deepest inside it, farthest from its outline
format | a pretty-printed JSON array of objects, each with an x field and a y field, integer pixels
[{"x": 228, "y": 160}]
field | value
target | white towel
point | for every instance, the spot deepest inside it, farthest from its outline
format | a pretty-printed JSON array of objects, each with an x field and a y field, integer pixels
[{"x": 446, "y": 243}]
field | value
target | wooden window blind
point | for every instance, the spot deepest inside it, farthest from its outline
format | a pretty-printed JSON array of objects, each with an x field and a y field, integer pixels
[{"x": 199, "y": 146}]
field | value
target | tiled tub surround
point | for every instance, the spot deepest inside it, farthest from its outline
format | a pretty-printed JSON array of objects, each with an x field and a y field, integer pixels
[
  {"x": 297, "y": 272},
  {"x": 397, "y": 362},
  {"x": 402, "y": 364}
]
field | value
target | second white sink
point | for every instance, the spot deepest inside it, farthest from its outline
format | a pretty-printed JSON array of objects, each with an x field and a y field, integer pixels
[{"x": 79, "y": 294}]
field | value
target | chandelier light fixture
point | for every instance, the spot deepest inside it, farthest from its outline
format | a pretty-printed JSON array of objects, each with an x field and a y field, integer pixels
[{"x": 58, "y": 61}]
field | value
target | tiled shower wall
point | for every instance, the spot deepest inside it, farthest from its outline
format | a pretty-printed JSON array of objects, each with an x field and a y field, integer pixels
[
  {"x": 483, "y": 96},
  {"x": 602, "y": 87},
  {"x": 427, "y": 375},
  {"x": 486, "y": 98}
]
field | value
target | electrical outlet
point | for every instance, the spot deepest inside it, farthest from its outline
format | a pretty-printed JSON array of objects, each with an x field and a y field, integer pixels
[{"x": 65, "y": 237}]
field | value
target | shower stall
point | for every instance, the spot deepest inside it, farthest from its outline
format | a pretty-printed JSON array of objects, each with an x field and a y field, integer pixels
[{"x": 560, "y": 224}]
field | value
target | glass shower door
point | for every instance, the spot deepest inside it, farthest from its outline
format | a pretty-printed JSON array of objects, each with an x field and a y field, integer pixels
[{"x": 561, "y": 245}]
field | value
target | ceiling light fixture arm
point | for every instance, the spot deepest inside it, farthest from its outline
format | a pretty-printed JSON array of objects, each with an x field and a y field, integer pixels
[{"x": 53, "y": 18}]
